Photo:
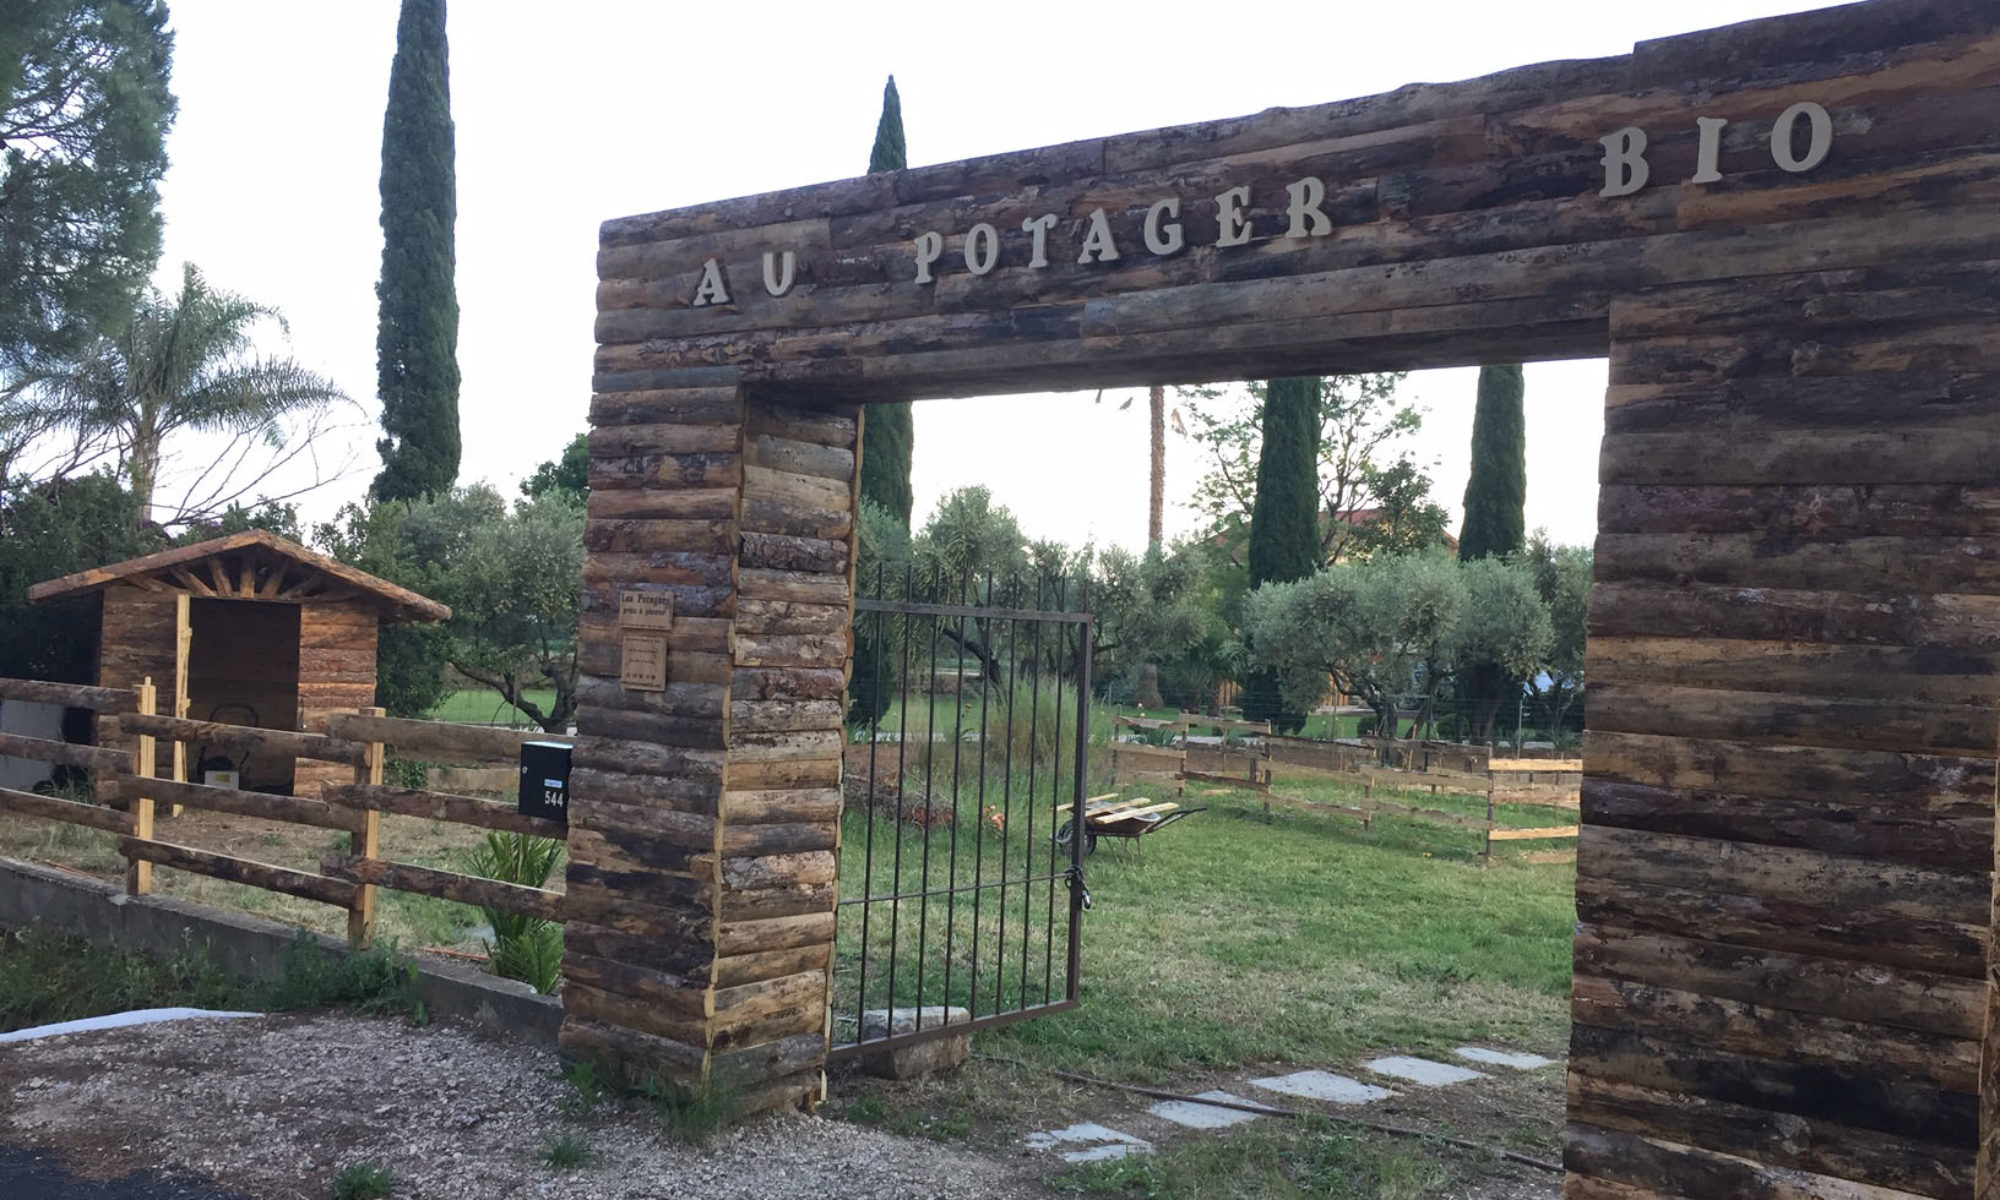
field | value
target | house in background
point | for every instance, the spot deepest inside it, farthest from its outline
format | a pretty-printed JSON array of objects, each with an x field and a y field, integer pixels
[{"x": 247, "y": 629}]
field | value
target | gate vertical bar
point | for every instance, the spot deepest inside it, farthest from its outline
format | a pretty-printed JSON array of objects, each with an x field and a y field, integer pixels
[{"x": 1079, "y": 891}]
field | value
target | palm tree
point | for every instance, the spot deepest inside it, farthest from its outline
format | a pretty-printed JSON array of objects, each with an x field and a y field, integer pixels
[{"x": 188, "y": 362}]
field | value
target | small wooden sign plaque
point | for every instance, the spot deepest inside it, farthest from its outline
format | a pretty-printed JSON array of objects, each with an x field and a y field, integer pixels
[
  {"x": 646, "y": 610},
  {"x": 643, "y": 662}
]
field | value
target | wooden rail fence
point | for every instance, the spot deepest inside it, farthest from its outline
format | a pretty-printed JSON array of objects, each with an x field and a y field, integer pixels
[
  {"x": 1136, "y": 760},
  {"x": 1440, "y": 769},
  {"x": 361, "y": 740},
  {"x": 1380, "y": 765}
]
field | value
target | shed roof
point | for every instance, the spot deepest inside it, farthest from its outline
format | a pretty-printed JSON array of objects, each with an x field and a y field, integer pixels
[{"x": 254, "y": 565}]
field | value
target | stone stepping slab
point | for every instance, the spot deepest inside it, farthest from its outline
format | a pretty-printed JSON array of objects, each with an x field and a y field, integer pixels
[
  {"x": 1503, "y": 1058},
  {"x": 1205, "y": 1116},
  {"x": 1092, "y": 1142},
  {"x": 1323, "y": 1085},
  {"x": 1422, "y": 1071}
]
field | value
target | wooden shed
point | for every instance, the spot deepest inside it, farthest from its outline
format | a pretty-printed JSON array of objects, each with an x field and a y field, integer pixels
[{"x": 248, "y": 629}]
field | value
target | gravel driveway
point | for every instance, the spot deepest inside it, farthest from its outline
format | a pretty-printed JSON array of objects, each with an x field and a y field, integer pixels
[{"x": 274, "y": 1107}]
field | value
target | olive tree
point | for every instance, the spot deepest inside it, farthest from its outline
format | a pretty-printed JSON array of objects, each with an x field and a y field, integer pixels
[{"x": 1389, "y": 628}]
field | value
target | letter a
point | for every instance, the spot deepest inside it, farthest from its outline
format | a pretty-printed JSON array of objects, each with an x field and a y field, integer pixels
[
  {"x": 1625, "y": 169},
  {"x": 1098, "y": 241},
  {"x": 711, "y": 289}
]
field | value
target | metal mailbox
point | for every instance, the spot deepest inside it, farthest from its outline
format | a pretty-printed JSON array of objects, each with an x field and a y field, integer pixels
[{"x": 545, "y": 780}]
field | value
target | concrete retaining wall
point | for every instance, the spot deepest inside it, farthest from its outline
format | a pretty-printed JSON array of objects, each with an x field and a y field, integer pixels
[{"x": 247, "y": 947}]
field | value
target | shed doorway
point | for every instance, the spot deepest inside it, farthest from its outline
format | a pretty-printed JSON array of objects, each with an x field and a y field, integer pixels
[{"x": 243, "y": 669}]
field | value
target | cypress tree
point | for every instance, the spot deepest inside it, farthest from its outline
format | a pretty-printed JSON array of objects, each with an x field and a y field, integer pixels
[
  {"x": 887, "y": 435},
  {"x": 1284, "y": 518},
  {"x": 416, "y": 340},
  {"x": 1496, "y": 492},
  {"x": 1496, "y": 498}
]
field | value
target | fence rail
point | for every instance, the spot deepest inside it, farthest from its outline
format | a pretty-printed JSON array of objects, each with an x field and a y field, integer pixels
[
  {"x": 439, "y": 806},
  {"x": 1440, "y": 768},
  {"x": 70, "y": 695},
  {"x": 70, "y": 812},
  {"x": 360, "y": 740}
]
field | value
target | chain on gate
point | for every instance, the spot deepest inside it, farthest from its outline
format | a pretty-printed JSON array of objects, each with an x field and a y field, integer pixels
[{"x": 969, "y": 745}]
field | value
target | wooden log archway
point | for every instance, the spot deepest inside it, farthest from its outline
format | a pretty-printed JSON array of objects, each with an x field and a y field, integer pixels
[{"x": 1784, "y": 235}]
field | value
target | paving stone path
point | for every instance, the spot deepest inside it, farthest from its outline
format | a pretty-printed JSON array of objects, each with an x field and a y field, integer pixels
[{"x": 1091, "y": 1142}]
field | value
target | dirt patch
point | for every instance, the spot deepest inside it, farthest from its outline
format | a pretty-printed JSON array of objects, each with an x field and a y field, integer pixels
[{"x": 275, "y": 1107}]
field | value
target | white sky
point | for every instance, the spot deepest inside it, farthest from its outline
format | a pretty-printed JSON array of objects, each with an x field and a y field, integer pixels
[{"x": 571, "y": 114}]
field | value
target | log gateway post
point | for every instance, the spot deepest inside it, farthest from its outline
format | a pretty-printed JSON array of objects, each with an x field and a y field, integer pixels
[{"x": 1784, "y": 235}]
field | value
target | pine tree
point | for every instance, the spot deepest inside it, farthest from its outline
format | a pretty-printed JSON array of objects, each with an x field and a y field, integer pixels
[
  {"x": 84, "y": 114},
  {"x": 1496, "y": 497},
  {"x": 1496, "y": 492},
  {"x": 416, "y": 341},
  {"x": 1284, "y": 519},
  {"x": 888, "y": 433}
]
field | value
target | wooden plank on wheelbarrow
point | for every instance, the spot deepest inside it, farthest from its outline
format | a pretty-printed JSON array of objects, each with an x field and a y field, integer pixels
[{"x": 1128, "y": 814}]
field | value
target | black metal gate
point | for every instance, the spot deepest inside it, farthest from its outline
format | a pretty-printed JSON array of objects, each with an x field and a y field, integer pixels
[{"x": 969, "y": 741}]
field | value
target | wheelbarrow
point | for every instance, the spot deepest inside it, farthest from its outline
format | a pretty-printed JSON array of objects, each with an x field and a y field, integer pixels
[{"x": 1108, "y": 816}]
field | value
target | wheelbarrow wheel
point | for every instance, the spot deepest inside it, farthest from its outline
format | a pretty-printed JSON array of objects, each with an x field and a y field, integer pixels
[{"x": 1066, "y": 833}]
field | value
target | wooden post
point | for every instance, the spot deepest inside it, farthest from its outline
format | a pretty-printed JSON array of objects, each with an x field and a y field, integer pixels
[
  {"x": 183, "y": 643},
  {"x": 1986, "y": 1172},
  {"x": 1181, "y": 789},
  {"x": 1489, "y": 815},
  {"x": 138, "y": 872},
  {"x": 366, "y": 842}
]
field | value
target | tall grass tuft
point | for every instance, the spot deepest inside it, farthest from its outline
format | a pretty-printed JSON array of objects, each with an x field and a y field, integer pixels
[{"x": 1036, "y": 734}]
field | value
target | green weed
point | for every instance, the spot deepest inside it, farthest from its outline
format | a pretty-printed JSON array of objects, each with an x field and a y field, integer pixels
[
  {"x": 683, "y": 1113},
  {"x": 566, "y": 1151},
  {"x": 585, "y": 1092},
  {"x": 362, "y": 1181},
  {"x": 372, "y": 982}
]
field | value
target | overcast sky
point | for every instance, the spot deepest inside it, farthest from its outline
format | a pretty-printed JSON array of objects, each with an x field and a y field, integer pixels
[{"x": 572, "y": 113}]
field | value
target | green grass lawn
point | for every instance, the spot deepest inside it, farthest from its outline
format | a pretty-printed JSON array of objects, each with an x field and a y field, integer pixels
[
  {"x": 1227, "y": 942},
  {"x": 480, "y": 707},
  {"x": 1230, "y": 939}
]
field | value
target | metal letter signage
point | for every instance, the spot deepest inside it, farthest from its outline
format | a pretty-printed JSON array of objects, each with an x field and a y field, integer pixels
[{"x": 1626, "y": 172}]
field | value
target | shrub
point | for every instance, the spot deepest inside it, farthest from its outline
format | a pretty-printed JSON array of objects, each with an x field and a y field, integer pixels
[{"x": 525, "y": 948}]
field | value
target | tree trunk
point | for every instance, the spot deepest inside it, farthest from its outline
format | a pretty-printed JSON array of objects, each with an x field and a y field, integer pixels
[
  {"x": 1157, "y": 495},
  {"x": 144, "y": 468},
  {"x": 1485, "y": 686},
  {"x": 1147, "y": 693}
]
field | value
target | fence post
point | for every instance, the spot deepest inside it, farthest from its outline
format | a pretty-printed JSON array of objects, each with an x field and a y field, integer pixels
[
  {"x": 366, "y": 842},
  {"x": 139, "y": 872},
  {"x": 1489, "y": 810},
  {"x": 183, "y": 644}
]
